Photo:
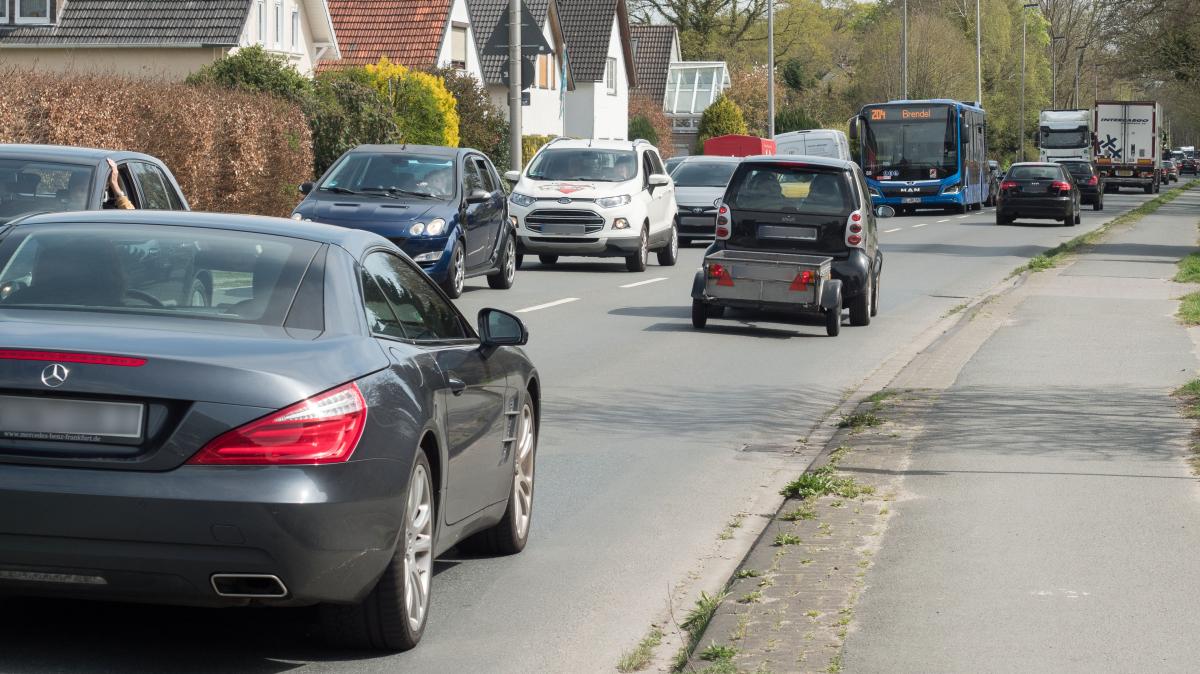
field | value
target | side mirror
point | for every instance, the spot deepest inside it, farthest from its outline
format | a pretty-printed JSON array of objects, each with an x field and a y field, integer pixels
[
  {"x": 512, "y": 176},
  {"x": 478, "y": 196},
  {"x": 500, "y": 328},
  {"x": 659, "y": 179},
  {"x": 306, "y": 187},
  {"x": 852, "y": 127},
  {"x": 885, "y": 211}
]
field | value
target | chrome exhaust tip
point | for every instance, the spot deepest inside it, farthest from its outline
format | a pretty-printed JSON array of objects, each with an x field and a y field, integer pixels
[{"x": 248, "y": 586}]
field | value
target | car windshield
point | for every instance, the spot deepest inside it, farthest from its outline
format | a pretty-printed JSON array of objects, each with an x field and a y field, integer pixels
[
  {"x": 798, "y": 189},
  {"x": 414, "y": 175},
  {"x": 703, "y": 173},
  {"x": 606, "y": 166},
  {"x": 28, "y": 186},
  {"x": 157, "y": 270},
  {"x": 1035, "y": 173}
]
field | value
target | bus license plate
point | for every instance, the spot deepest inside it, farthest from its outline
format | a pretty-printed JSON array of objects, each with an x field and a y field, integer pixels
[{"x": 911, "y": 200}]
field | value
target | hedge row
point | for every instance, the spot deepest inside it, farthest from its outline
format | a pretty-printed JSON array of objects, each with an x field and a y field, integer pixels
[{"x": 231, "y": 151}]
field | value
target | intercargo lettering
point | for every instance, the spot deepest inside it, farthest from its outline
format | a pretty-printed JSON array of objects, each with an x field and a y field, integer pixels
[{"x": 1132, "y": 120}]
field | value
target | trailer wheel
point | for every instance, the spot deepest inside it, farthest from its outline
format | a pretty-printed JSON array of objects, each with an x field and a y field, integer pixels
[
  {"x": 833, "y": 319},
  {"x": 699, "y": 315}
]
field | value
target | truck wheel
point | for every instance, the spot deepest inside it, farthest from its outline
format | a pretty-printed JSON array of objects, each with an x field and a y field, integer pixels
[
  {"x": 699, "y": 315},
  {"x": 860, "y": 306},
  {"x": 833, "y": 320}
]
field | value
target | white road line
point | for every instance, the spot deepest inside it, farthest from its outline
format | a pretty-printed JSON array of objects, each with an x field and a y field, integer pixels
[
  {"x": 941, "y": 221},
  {"x": 963, "y": 217},
  {"x": 923, "y": 224},
  {"x": 642, "y": 283},
  {"x": 547, "y": 305},
  {"x": 889, "y": 231}
]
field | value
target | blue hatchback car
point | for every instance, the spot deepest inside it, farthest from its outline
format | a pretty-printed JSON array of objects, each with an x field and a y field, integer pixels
[{"x": 444, "y": 207}]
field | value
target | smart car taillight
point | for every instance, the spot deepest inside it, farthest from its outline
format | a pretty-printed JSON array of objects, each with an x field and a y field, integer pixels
[
  {"x": 323, "y": 429},
  {"x": 853, "y": 227},
  {"x": 723, "y": 231}
]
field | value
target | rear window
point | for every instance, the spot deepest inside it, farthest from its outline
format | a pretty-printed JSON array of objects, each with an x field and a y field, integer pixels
[
  {"x": 1035, "y": 173},
  {"x": 801, "y": 189},
  {"x": 28, "y": 186},
  {"x": 156, "y": 270},
  {"x": 703, "y": 174},
  {"x": 1079, "y": 168}
]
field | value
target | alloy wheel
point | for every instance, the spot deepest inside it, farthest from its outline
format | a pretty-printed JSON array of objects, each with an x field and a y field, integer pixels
[
  {"x": 510, "y": 262},
  {"x": 460, "y": 272},
  {"x": 418, "y": 548},
  {"x": 674, "y": 243},
  {"x": 644, "y": 248},
  {"x": 522, "y": 491}
]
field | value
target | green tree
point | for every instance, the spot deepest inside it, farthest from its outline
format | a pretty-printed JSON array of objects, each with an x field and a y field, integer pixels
[
  {"x": 795, "y": 75},
  {"x": 640, "y": 127},
  {"x": 345, "y": 111},
  {"x": 253, "y": 69},
  {"x": 482, "y": 125},
  {"x": 425, "y": 111},
  {"x": 722, "y": 118},
  {"x": 794, "y": 118}
]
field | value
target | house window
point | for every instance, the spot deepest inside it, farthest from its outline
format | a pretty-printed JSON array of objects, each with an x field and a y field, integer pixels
[
  {"x": 278, "y": 24},
  {"x": 261, "y": 20},
  {"x": 458, "y": 46},
  {"x": 33, "y": 11},
  {"x": 543, "y": 72},
  {"x": 295, "y": 30},
  {"x": 610, "y": 76}
]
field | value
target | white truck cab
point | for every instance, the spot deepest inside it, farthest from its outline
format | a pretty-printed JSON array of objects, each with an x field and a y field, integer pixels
[{"x": 1065, "y": 134}]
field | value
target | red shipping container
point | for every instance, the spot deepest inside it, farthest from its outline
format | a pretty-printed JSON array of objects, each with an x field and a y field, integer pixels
[{"x": 738, "y": 146}]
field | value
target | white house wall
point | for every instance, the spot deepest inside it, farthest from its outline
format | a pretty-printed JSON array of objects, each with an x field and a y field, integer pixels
[
  {"x": 460, "y": 14},
  {"x": 591, "y": 111},
  {"x": 305, "y": 54},
  {"x": 544, "y": 114}
]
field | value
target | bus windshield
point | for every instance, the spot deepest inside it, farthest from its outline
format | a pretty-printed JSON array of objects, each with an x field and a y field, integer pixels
[
  {"x": 909, "y": 142},
  {"x": 1062, "y": 139}
]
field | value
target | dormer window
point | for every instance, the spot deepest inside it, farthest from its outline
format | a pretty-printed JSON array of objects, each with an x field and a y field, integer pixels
[{"x": 32, "y": 11}]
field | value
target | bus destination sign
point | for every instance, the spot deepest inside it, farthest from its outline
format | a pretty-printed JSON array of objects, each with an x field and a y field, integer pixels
[{"x": 892, "y": 113}]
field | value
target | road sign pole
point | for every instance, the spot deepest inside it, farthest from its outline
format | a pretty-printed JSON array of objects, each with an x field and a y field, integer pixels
[{"x": 514, "y": 84}]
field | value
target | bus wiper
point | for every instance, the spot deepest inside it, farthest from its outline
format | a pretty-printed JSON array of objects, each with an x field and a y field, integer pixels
[{"x": 338, "y": 190}]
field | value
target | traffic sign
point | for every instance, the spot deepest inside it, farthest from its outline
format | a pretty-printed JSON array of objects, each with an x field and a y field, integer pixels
[
  {"x": 527, "y": 73},
  {"x": 532, "y": 40}
]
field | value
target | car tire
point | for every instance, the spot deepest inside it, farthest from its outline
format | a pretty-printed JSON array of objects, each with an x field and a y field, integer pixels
[
  {"x": 548, "y": 259},
  {"x": 510, "y": 535},
  {"x": 1003, "y": 219},
  {"x": 456, "y": 275},
  {"x": 385, "y": 619},
  {"x": 637, "y": 261},
  {"x": 668, "y": 255},
  {"x": 699, "y": 315},
  {"x": 1078, "y": 218},
  {"x": 520, "y": 260},
  {"x": 1149, "y": 189},
  {"x": 833, "y": 319},
  {"x": 1098, "y": 204},
  {"x": 875, "y": 297},
  {"x": 684, "y": 242},
  {"x": 860, "y": 305},
  {"x": 503, "y": 279}
]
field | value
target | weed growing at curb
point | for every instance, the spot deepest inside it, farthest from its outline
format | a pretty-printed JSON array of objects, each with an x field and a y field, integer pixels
[
  {"x": 695, "y": 622},
  {"x": 1189, "y": 269},
  {"x": 1189, "y": 399},
  {"x": 751, "y": 598},
  {"x": 958, "y": 308},
  {"x": 1057, "y": 254},
  {"x": 639, "y": 658},
  {"x": 859, "y": 420},
  {"x": 747, "y": 573},
  {"x": 1189, "y": 309},
  {"x": 801, "y": 513},
  {"x": 716, "y": 652},
  {"x": 787, "y": 539},
  {"x": 822, "y": 482},
  {"x": 881, "y": 395}
]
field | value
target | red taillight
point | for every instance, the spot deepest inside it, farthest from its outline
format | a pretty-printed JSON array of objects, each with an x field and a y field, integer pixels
[
  {"x": 856, "y": 228},
  {"x": 1008, "y": 185},
  {"x": 70, "y": 357},
  {"x": 802, "y": 280},
  {"x": 854, "y": 239},
  {"x": 720, "y": 273},
  {"x": 1093, "y": 180},
  {"x": 1060, "y": 186},
  {"x": 723, "y": 222},
  {"x": 853, "y": 227},
  {"x": 323, "y": 429},
  {"x": 856, "y": 217}
]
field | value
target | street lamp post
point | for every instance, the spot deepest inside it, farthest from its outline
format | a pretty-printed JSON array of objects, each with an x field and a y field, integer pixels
[
  {"x": 770, "y": 68},
  {"x": 978, "y": 58},
  {"x": 1021, "y": 120},
  {"x": 1078, "y": 63},
  {"x": 904, "y": 50},
  {"x": 1054, "y": 70}
]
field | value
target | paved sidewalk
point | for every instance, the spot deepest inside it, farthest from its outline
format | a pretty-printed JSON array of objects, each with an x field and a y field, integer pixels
[{"x": 1047, "y": 520}]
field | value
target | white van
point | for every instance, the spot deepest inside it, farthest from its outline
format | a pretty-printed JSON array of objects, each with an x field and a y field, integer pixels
[{"x": 817, "y": 142}]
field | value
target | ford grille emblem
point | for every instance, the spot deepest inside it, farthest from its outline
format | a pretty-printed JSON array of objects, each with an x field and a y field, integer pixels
[
  {"x": 564, "y": 200},
  {"x": 55, "y": 375}
]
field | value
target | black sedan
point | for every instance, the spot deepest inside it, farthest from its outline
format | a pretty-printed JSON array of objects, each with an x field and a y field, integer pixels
[
  {"x": 316, "y": 436},
  {"x": 1038, "y": 190},
  {"x": 1089, "y": 181},
  {"x": 445, "y": 207},
  {"x": 53, "y": 178}
]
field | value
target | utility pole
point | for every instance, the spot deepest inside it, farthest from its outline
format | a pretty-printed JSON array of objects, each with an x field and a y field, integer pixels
[
  {"x": 514, "y": 85},
  {"x": 978, "y": 57},
  {"x": 1054, "y": 70},
  {"x": 904, "y": 51},
  {"x": 1021, "y": 120},
  {"x": 770, "y": 68},
  {"x": 1078, "y": 63}
]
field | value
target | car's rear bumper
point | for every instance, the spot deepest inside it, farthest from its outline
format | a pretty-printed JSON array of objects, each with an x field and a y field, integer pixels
[
  {"x": 1049, "y": 207},
  {"x": 702, "y": 226},
  {"x": 327, "y": 532}
]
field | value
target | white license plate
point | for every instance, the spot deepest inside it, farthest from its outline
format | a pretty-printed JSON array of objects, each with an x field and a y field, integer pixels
[
  {"x": 61, "y": 420},
  {"x": 1124, "y": 174},
  {"x": 911, "y": 200}
]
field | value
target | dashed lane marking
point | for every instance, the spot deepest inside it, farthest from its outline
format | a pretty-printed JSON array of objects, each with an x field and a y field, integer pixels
[
  {"x": 646, "y": 282},
  {"x": 941, "y": 221},
  {"x": 547, "y": 305},
  {"x": 963, "y": 217},
  {"x": 889, "y": 231},
  {"x": 923, "y": 224}
]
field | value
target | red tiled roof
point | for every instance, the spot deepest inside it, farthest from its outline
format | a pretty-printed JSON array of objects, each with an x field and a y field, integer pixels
[{"x": 408, "y": 32}]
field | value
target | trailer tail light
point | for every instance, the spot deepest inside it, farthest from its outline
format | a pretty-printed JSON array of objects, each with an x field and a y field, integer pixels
[
  {"x": 723, "y": 230},
  {"x": 323, "y": 429},
  {"x": 802, "y": 281},
  {"x": 720, "y": 273},
  {"x": 853, "y": 230}
]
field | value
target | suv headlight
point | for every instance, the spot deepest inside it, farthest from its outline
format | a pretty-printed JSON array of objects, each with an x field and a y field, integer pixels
[
  {"x": 613, "y": 202},
  {"x": 522, "y": 200}
]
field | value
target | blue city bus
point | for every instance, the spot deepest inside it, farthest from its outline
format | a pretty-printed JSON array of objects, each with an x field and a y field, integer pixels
[{"x": 923, "y": 154}]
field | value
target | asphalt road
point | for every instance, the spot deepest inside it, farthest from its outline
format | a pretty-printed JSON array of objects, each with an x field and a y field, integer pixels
[{"x": 639, "y": 466}]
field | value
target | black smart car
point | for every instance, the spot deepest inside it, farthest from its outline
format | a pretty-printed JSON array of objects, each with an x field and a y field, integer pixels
[
  {"x": 445, "y": 207},
  {"x": 1038, "y": 190},
  {"x": 808, "y": 205},
  {"x": 1089, "y": 181}
]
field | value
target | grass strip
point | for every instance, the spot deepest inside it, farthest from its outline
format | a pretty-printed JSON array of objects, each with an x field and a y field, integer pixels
[
  {"x": 1055, "y": 256},
  {"x": 1189, "y": 269},
  {"x": 639, "y": 658},
  {"x": 695, "y": 622}
]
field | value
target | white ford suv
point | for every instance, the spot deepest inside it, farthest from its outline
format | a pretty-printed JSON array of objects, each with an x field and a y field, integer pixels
[{"x": 596, "y": 198}]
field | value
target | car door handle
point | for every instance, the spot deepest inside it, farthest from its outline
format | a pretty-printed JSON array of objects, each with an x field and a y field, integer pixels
[{"x": 457, "y": 386}]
